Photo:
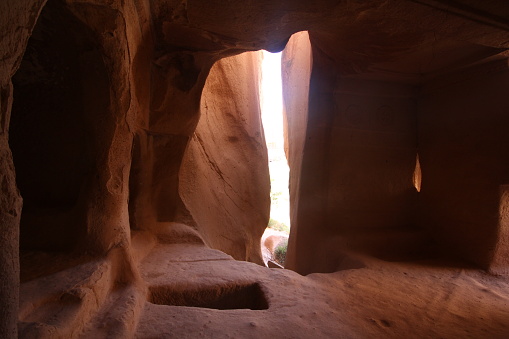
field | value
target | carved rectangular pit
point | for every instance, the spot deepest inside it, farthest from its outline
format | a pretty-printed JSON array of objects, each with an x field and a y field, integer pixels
[{"x": 219, "y": 297}]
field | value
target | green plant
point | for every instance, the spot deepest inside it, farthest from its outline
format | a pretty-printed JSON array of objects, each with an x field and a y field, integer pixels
[
  {"x": 272, "y": 223},
  {"x": 274, "y": 196},
  {"x": 278, "y": 226},
  {"x": 280, "y": 252}
]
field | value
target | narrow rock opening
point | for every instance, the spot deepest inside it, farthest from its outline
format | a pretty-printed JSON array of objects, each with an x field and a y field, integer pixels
[
  {"x": 417, "y": 177},
  {"x": 224, "y": 297},
  {"x": 275, "y": 238}
]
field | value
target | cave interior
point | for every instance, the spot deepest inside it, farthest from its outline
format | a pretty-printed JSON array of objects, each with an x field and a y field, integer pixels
[{"x": 135, "y": 181}]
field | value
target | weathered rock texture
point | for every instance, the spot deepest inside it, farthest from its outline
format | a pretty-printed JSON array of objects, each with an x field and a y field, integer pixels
[
  {"x": 103, "y": 101},
  {"x": 22, "y": 14},
  {"x": 224, "y": 178}
]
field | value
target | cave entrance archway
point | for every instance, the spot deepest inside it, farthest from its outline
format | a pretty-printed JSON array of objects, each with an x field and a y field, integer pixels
[
  {"x": 224, "y": 179},
  {"x": 61, "y": 94}
]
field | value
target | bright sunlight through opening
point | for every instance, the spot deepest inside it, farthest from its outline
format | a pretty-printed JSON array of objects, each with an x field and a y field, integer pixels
[{"x": 271, "y": 101}]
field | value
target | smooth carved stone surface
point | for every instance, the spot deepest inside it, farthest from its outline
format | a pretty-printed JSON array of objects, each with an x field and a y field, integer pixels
[
  {"x": 464, "y": 165},
  {"x": 296, "y": 66},
  {"x": 224, "y": 178}
]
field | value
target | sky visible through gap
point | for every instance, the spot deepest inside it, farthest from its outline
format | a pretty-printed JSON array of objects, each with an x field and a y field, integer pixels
[{"x": 271, "y": 101}]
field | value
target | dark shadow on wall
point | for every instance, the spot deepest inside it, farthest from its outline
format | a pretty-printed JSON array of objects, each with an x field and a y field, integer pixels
[{"x": 60, "y": 98}]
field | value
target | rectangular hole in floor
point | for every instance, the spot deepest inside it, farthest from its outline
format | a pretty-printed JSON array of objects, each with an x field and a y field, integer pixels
[{"x": 223, "y": 297}]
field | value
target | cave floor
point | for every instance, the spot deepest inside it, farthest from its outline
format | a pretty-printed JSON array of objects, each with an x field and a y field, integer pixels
[{"x": 238, "y": 299}]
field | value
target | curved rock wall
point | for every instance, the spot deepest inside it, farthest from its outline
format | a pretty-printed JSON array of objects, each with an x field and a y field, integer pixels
[
  {"x": 296, "y": 63},
  {"x": 224, "y": 178}
]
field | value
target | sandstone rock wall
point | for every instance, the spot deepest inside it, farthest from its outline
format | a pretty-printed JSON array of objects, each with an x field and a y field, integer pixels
[
  {"x": 296, "y": 66},
  {"x": 358, "y": 162},
  {"x": 73, "y": 107},
  {"x": 20, "y": 14},
  {"x": 224, "y": 179},
  {"x": 463, "y": 145},
  {"x": 356, "y": 190}
]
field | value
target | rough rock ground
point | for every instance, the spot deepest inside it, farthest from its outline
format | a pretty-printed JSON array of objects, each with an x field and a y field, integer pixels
[
  {"x": 422, "y": 299},
  {"x": 381, "y": 300}
]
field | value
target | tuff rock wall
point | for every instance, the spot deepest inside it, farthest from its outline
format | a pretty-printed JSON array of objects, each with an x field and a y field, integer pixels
[
  {"x": 367, "y": 121},
  {"x": 296, "y": 64},
  {"x": 120, "y": 83},
  {"x": 12, "y": 45},
  {"x": 462, "y": 129},
  {"x": 224, "y": 177}
]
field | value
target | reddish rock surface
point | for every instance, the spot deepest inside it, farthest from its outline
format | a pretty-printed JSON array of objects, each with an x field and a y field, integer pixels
[
  {"x": 224, "y": 178},
  {"x": 462, "y": 192},
  {"x": 296, "y": 63},
  {"x": 21, "y": 14},
  {"x": 124, "y": 188},
  {"x": 193, "y": 291}
]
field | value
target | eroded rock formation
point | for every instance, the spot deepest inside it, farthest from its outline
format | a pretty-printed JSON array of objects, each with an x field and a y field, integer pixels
[
  {"x": 224, "y": 178},
  {"x": 296, "y": 66},
  {"x": 125, "y": 189}
]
